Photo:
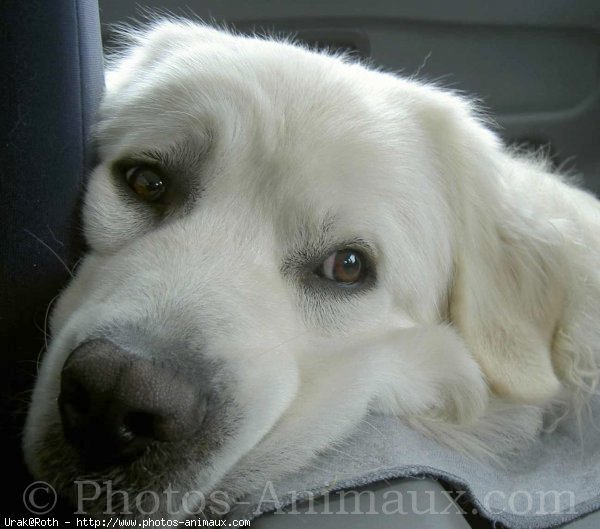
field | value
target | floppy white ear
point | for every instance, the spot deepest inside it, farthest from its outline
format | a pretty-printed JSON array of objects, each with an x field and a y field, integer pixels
[{"x": 508, "y": 286}]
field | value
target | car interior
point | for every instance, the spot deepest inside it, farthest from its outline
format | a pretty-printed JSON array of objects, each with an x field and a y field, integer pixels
[{"x": 534, "y": 67}]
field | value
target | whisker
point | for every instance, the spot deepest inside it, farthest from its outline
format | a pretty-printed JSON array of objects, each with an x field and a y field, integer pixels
[
  {"x": 288, "y": 340},
  {"x": 45, "y": 330},
  {"x": 54, "y": 236},
  {"x": 374, "y": 428},
  {"x": 51, "y": 251},
  {"x": 345, "y": 454}
]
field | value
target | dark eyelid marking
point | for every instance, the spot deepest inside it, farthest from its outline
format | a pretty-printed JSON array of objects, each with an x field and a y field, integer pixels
[
  {"x": 179, "y": 157},
  {"x": 310, "y": 251},
  {"x": 183, "y": 166},
  {"x": 316, "y": 254}
]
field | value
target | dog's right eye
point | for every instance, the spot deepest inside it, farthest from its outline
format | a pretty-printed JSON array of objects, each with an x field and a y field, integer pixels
[
  {"x": 346, "y": 267},
  {"x": 146, "y": 182}
]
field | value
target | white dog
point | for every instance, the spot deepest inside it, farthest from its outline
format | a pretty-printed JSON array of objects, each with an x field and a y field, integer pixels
[{"x": 282, "y": 240}]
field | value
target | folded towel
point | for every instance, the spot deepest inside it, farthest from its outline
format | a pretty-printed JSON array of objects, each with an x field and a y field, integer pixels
[{"x": 554, "y": 480}]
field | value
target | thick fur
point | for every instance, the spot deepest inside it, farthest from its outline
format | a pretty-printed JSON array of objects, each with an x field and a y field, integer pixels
[{"x": 484, "y": 311}]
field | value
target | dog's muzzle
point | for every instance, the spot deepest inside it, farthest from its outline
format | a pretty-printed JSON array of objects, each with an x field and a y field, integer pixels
[{"x": 114, "y": 405}]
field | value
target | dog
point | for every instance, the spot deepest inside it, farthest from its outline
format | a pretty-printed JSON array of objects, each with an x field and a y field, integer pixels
[{"x": 282, "y": 240}]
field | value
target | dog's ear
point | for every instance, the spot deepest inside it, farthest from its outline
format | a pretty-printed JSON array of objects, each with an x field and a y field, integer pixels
[{"x": 508, "y": 286}]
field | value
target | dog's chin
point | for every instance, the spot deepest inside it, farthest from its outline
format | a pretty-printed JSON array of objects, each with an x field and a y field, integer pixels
[{"x": 164, "y": 482}]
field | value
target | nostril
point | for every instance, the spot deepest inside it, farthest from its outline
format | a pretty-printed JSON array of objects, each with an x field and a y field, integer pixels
[
  {"x": 138, "y": 423},
  {"x": 74, "y": 405},
  {"x": 162, "y": 424},
  {"x": 76, "y": 397}
]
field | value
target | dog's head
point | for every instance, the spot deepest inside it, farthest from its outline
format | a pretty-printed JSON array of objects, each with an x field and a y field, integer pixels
[{"x": 267, "y": 228}]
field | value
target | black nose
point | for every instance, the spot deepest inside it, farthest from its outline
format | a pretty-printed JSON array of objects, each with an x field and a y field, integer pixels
[{"x": 114, "y": 404}]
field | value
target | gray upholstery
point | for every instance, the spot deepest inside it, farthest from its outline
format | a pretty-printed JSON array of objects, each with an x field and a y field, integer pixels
[
  {"x": 426, "y": 492},
  {"x": 418, "y": 495}
]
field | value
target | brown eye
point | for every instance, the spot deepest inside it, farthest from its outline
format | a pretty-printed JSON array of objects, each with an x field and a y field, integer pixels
[
  {"x": 146, "y": 182},
  {"x": 344, "y": 266}
]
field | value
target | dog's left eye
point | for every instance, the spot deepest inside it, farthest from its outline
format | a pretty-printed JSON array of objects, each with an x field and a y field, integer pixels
[
  {"x": 147, "y": 182},
  {"x": 346, "y": 266}
]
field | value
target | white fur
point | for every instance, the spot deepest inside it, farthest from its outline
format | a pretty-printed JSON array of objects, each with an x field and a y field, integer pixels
[{"x": 486, "y": 308}]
